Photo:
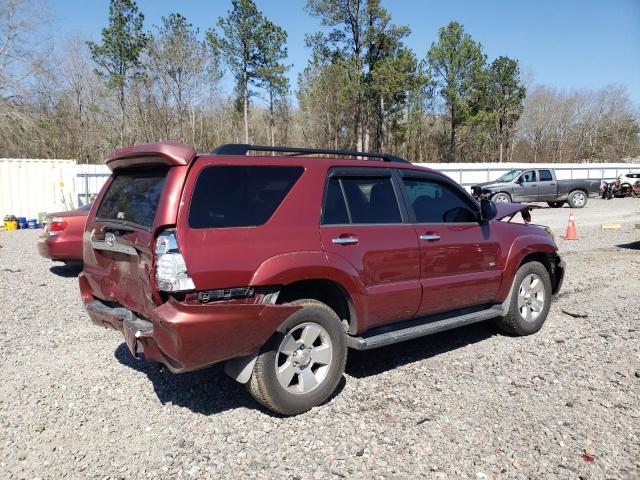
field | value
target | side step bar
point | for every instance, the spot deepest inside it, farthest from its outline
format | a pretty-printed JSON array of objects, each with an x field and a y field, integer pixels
[{"x": 419, "y": 328}]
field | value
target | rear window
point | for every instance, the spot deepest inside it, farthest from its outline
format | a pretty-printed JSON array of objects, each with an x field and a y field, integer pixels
[
  {"x": 133, "y": 197},
  {"x": 545, "y": 175},
  {"x": 239, "y": 196}
]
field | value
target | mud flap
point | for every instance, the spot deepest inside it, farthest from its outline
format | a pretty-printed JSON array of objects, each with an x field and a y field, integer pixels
[{"x": 240, "y": 368}]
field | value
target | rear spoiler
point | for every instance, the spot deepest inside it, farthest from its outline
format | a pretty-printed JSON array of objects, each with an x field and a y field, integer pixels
[{"x": 167, "y": 153}]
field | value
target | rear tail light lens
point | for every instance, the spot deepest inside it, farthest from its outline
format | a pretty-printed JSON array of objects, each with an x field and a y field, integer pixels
[
  {"x": 171, "y": 271},
  {"x": 57, "y": 225}
]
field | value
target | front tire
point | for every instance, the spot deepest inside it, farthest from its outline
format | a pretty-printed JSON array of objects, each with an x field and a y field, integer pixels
[
  {"x": 501, "y": 198},
  {"x": 577, "y": 199},
  {"x": 530, "y": 301},
  {"x": 555, "y": 204},
  {"x": 300, "y": 368}
]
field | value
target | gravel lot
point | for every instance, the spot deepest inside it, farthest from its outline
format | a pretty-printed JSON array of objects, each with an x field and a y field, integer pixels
[{"x": 468, "y": 403}]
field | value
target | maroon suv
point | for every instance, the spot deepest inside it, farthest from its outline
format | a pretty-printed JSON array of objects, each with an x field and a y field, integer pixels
[{"x": 278, "y": 264}]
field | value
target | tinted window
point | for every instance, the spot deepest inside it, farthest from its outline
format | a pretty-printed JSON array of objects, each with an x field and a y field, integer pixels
[
  {"x": 334, "y": 211},
  {"x": 435, "y": 202},
  {"x": 133, "y": 197},
  {"x": 239, "y": 196},
  {"x": 545, "y": 175},
  {"x": 371, "y": 200}
]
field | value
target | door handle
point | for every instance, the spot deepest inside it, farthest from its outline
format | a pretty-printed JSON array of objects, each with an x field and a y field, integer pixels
[
  {"x": 429, "y": 237},
  {"x": 345, "y": 240}
]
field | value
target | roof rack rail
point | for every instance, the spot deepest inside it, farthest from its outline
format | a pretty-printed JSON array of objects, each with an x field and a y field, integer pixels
[{"x": 243, "y": 148}]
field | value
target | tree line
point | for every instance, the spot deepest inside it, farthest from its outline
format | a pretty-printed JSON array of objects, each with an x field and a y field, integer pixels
[{"x": 362, "y": 88}]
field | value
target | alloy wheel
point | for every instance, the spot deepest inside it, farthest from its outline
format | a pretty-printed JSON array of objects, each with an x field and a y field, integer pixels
[
  {"x": 303, "y": 358},
  {"x": 531, "y": 297}
]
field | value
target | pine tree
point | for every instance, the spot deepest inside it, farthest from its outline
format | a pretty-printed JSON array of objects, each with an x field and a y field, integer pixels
[
  {"x": 458, "y": 68},
  {"x": 119, "y": 53}
]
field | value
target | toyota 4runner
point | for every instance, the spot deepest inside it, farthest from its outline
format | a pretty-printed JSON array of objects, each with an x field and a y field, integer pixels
[{"x": 278, "y": 264}]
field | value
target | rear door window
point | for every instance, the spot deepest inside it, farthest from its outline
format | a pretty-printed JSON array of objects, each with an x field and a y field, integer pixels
[
  {"x": 132, "y": 197},
  {"x": 239, "y": 196},
  {"x": 334, "y": 211},
  {"x": 369, "y": 200},
  {"x": 545, "y": 175}
]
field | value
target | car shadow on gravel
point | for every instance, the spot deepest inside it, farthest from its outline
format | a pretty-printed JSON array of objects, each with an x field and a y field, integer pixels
[
  {"x": 362, "y": 364},
  {"x": 208, "y": 391},
  {"x": 630, "y": 246},
  {"x": 67, "y": 270}
]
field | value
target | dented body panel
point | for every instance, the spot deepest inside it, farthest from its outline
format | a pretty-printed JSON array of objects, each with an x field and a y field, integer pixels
[{"x": 190, "y": 336}]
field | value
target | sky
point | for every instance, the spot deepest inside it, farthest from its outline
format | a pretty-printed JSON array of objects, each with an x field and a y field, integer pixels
[{"x": 568, "y": 44}]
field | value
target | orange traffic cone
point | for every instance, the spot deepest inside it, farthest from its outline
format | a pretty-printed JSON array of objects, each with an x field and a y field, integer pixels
[{"x": 571, "y": 229}]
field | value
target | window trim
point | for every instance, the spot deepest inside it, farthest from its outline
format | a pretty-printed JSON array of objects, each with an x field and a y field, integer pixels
[
  {"x": 363, "y": 172},
  {"x": 429, "y": 177}
]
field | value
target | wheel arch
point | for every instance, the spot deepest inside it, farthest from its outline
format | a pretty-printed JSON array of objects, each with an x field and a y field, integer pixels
[
  {"x": 300, "y": 275},
  {"x": 326, "y": 291},
  {"x": 531, "y": 248}
]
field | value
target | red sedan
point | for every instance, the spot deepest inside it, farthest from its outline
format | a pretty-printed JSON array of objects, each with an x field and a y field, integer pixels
[{"x": 62, "y": 234}]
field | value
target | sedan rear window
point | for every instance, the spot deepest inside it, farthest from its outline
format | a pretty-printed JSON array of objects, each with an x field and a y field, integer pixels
[
  {"x": 239, "y": 196},
  {"x": 133, "y": 197}
]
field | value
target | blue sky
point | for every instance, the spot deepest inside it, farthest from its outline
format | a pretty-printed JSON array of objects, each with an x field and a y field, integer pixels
[{"x": 562, "y": 43}]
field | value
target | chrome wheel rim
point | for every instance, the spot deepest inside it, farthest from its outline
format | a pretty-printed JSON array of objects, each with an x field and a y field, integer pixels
[
  {"x": 578, "y": 199},
  {"x": 501, "y": 199},
  {"x": 303, "y": 358},
  {"x": 531, "y": 297}
]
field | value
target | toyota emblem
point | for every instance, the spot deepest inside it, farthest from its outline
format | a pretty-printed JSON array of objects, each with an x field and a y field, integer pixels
[{"x": 110, "y": 239}]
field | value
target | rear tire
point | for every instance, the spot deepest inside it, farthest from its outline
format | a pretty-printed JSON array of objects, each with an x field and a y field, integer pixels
[
  {"x": 301, "y": 368},
  {"x": 530, "y": 301},
  {"x": 501, "y": 198},
  {"x": 555, "y": 204},
  {"x": 577, "y": 199}
]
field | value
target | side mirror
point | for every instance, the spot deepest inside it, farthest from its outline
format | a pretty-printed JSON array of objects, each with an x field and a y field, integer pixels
[
  {"x": 520, "y": 180},
  {"x": 488, "y": 210}
]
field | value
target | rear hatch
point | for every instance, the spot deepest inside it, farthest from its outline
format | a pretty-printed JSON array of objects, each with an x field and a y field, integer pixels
[{"x": 140, "y": 199}]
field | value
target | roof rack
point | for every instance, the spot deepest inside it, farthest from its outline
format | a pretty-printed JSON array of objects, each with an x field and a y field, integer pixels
[{"x": 243, "y": 148}]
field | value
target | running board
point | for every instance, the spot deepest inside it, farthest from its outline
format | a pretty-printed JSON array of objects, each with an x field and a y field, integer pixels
[{"x": 419, "y": 328}]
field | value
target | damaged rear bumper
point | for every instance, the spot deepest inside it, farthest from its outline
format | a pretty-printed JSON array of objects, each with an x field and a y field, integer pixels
[{"x": 187, "y": 337}]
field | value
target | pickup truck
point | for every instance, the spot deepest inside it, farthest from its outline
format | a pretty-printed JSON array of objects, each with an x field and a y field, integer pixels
[{"x": 537, "y": 185}]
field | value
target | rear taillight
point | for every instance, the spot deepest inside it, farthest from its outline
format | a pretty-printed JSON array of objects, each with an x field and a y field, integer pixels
[
  {"x": 171, "y": 271},
  {"x": 57, "y": 225}
]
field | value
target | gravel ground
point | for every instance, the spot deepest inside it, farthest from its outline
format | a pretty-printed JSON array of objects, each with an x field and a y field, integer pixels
[{"x": 468, "y": 403}]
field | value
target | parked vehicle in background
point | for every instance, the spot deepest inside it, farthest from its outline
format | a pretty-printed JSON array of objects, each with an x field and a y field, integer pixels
[
  {"x": 627, "y": 184},
  {"x": 278, "y": 264},
  {"x": 537, "y": 185},
  {"x": 62, "y": 232}
]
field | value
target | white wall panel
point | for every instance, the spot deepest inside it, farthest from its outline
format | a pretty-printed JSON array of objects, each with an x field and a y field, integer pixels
[{"x": 31, "y": 186}]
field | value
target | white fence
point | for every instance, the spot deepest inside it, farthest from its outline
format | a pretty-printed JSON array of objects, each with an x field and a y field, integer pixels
[{"x": 28, "y": 187}]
